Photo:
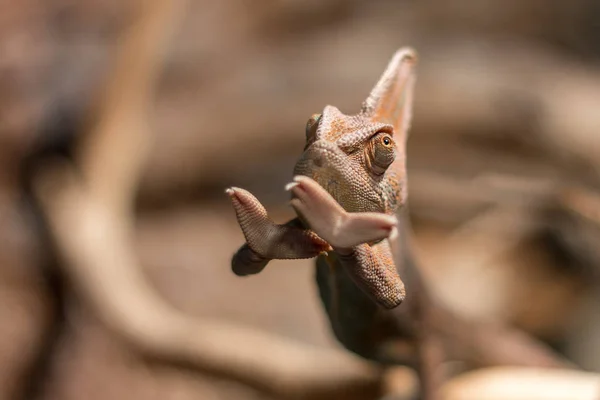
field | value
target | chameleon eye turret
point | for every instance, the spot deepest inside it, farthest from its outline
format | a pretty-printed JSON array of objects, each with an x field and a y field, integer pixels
[{"x": 382, "y": 152}]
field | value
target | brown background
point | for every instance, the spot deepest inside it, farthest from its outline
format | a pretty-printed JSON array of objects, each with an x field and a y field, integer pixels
[{"x": 503, "y": 168}]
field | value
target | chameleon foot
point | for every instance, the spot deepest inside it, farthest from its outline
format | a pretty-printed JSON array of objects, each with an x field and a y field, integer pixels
[
  {"x": 267, "y": 240},
  {"x": 341, "y": 229}
]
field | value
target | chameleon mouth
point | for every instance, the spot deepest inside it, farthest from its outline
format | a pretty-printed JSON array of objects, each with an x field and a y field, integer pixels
[
  {"x": 321, "y": 159},
  {"x": 345, "y": 181}
]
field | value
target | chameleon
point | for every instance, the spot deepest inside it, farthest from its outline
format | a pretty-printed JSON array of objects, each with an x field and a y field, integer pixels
[
  {"x": 349, "y": 193},
  {"x": 349, "y": 184}
]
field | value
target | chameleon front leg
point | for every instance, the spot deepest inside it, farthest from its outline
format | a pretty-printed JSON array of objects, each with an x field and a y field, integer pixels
[
  {"x": 341, "y": 229},
  {"x": 359, "y": 239},
  {"x": 266, "y": 240}
]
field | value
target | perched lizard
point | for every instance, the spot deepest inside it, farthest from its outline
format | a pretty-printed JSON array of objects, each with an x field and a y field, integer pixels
[
  {"x": 349, "y": 191},
  {"x": 349, "y": 183}
]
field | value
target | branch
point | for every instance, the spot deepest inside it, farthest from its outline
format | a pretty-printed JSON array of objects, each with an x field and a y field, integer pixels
[
  {"x": 90, "y": 219},
  {"x": 99, "y": 260},
  {"x": 515, "y": 383}
]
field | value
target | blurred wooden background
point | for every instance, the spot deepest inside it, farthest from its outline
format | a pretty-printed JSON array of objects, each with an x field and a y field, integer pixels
[{"x": 504, "y": 170}]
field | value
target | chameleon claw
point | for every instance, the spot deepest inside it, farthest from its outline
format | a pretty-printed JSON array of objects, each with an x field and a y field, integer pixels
[
  {"x": 300, "y": 178},
  {"x": 290, "y": 186},
  {"x": 233, "y": 191}
]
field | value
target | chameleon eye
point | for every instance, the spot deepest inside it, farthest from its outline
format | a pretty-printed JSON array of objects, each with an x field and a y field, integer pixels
[{"x": 382, "y": 152}]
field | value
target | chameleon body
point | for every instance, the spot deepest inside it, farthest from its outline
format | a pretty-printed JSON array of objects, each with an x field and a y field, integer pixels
[{"x": 350, "y": 182}]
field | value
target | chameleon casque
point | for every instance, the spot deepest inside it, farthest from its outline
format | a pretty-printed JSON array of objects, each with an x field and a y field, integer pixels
[
  {"x": 349, "y": 183},
  {"x": 349, "y": 192}
]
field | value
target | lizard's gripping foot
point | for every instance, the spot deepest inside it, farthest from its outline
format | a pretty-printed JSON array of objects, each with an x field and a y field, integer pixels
[
  {"x": 267, "y": 240},
  {"x": 371, "y": 267},
  {"x": 341, "y": 229}
]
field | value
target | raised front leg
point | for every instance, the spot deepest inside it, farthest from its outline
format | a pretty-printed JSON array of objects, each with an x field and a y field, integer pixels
[
  {"x": 266, "y": 240},
  {"x": 341, "y": 229},
  {"x": 359, "y": 239}
]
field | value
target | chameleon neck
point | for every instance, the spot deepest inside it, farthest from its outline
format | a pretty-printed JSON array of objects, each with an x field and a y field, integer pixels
[
  {"x": 360, "y": 324},
  {"x": 351, "y": 312}
]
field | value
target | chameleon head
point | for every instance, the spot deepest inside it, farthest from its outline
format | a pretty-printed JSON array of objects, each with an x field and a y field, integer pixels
[
  {"x": 355, "y": 159},
  {"x": 360, "y": 159}
]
